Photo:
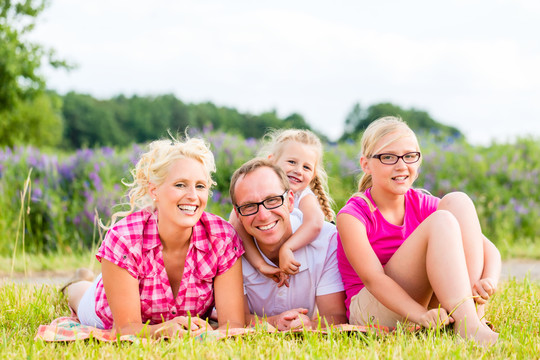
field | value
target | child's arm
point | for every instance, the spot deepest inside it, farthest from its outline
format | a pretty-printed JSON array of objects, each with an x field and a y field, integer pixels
[
  {"x": 487, "y": 284},
  {"x": 253, "y": 255},
  {"x": 312, "y": 223}
]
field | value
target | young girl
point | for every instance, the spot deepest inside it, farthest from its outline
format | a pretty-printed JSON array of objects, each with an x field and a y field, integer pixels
[
  {"x": 299, "y": 153},
  {"x": 167, "y": 258},
  {"x": 401, "y": 250}
]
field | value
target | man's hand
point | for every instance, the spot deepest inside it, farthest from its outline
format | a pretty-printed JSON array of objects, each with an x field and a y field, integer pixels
[
  {"x": 483, "y": 289},
  {"x": 293, "y": 319}
]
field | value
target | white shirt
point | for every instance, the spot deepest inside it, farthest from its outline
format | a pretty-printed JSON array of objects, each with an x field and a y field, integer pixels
[
  {"x": 318, "y": 275},
  {"x": 299, "y": 196}
]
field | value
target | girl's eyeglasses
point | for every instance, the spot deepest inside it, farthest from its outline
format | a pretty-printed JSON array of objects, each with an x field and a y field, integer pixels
[{"x": 391, "y": 159}]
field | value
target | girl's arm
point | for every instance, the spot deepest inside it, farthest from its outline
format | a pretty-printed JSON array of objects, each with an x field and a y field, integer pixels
[
  {"x": 253, "y": 255},
  {"x": 492, "y": 261},
  {"x": 229, "y": 297},
  {"x": 365, "y": 262},
  {"x": 312, "y": 223},
  {"x": 123, "y": 297},
  {"x": 487, "y": 284}
]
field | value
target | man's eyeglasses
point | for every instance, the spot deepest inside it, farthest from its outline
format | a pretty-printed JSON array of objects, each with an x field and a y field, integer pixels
[
  {"x": 391, "y": 159},
  {"x": 270, "y": 203}
]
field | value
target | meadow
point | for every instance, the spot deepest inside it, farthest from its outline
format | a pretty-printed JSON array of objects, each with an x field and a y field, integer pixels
[
  {"x": 514, "y": 312},
  {"x": 51, "y": 201}
]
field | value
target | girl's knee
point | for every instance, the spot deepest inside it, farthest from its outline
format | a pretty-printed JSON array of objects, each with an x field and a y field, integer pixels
[
  {"x": 455, "y": 199},
  {"x": 444, "y": 221}
]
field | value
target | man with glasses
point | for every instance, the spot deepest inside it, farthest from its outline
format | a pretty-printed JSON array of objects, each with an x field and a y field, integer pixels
[{"x": 263, "y": 204}]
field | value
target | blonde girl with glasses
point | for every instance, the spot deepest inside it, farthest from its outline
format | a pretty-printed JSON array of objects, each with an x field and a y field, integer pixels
[
  {"x": 300, "y": 154},
  {"x": 405, "y": 255}
]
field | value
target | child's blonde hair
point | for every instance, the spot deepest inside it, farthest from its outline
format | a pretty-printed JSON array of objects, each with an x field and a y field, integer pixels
[
  {"x": 154, "y": 166},
  {"x": 373, "y": 133},
  {"x": 275, "y": 141}
]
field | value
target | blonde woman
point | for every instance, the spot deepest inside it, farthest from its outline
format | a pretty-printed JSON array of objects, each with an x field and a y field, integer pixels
[
  {"x": 405, "y": 255},
  {"x": 167, "y": 262}
]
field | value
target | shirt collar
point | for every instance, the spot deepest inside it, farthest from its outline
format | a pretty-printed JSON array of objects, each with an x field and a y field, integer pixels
[{"x": 199, "y": 237}]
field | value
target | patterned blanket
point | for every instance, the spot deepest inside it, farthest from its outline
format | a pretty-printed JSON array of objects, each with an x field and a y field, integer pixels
[{"x": 70, "y": 329}]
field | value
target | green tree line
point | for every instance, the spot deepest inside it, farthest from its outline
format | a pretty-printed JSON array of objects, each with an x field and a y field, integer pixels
[
  {"x": 80, "y": 120},
  {"x": 121, "y": 120}
]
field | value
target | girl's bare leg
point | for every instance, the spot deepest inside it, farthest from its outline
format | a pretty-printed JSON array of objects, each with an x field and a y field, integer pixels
[
  {"x": 75, "y": 292},
  {"x": 462, "y": 207},
  {"x": 431, "y": 260}
]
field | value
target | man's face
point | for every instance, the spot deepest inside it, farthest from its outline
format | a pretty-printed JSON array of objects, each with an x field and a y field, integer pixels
[{"x": 270, "y": 227}]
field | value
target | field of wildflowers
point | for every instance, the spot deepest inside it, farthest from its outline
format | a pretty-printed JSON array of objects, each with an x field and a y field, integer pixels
[{"x": 67, "y": 192}]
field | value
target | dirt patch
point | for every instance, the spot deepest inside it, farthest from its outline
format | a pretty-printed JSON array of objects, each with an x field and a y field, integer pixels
[
  {"x": 518, "y": 269},
  {"x": 515, "y": 268}
]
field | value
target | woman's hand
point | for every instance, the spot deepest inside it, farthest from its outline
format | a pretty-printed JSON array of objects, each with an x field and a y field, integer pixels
[
  {"x": 181, "y": 325},
  {"x": 483, "y": 289},
  {"x": 435, "y": 318}
]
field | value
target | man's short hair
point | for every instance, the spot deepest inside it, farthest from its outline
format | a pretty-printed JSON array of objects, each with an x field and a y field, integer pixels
[{"x": 253, "y": 165}]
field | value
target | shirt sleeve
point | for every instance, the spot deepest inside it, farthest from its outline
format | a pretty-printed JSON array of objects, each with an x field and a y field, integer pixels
[
  {"x": 358, "y": 207},
  {"x": 116, "y": 250},
  {"x": 429, "y": 203},
  {"x": 231, "y": 249},
  {"x": 330, "y": 281}
]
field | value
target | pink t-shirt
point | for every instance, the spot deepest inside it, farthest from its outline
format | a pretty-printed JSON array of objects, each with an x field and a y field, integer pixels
[
  {"x": 385, "y": 238},
  {"x": 133, "y": 244}
]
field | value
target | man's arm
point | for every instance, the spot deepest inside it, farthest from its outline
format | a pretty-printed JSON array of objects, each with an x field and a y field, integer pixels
[
  {"x": 287, "y": 320},
  {"x": 331, "y": 309}
]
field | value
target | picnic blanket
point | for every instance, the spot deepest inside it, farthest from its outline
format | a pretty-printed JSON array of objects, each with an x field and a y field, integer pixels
[{"x": 66, "y": 329}]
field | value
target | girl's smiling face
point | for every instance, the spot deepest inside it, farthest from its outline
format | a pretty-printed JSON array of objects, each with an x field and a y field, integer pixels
[
  {"x": 299, "y": 162},
  {"x": 398, "y": 178}
]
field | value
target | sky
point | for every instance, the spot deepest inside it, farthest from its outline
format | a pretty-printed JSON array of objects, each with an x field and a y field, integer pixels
[{"x": 472, "y": 64}]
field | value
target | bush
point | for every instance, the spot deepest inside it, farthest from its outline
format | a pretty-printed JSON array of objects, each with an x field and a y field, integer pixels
[{"x": 69, "y": 189}]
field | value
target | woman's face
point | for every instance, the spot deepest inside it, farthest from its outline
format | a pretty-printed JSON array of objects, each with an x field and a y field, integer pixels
[
  {"x": 183, "y": 196},
  {"x": 399, "y": 177}
]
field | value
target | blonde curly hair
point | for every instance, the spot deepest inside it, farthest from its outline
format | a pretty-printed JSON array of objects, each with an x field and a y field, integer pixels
[{"x": 154, "y": 166}]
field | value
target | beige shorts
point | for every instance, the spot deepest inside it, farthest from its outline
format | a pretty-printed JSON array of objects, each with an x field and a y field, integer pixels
[{"x": 365, "y": 309}]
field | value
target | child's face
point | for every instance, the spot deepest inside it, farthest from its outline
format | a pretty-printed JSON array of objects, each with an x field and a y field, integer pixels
[
  {"x": 395, "y": 178},
  {"x": 299, "y": 162}
]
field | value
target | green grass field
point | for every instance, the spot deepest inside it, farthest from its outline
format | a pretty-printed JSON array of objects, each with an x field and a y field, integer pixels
[{"x": 514, "y": 312}]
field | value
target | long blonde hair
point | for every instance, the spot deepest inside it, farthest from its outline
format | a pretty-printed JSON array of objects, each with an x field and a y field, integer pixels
[
  {"x": 275, "y": 143},
  {"x": 154, "y": 166},
  {"x": 373, "y": 133}
]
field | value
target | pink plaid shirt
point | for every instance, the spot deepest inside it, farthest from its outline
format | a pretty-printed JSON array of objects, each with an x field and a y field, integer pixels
[{"x": 133, "y": 244}]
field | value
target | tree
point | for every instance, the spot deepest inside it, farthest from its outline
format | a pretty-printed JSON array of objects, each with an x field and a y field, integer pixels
[
  {"x": 90, "y": 122},
  {"x": 420, "y": 121},
  {"x": 21, "y": 85},
  {"x": 34, "y": 122}
]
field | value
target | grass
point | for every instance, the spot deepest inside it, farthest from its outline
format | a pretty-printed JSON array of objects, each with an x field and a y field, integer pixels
[{"x": 514, "y": 311}]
